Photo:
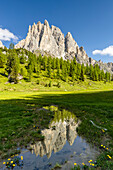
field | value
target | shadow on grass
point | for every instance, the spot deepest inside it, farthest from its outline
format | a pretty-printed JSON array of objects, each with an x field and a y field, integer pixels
[{"x": 3, "y": 74}]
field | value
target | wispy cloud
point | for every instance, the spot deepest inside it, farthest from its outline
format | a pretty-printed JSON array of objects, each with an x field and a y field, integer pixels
[
  {"x": 6, "y": 35},
  {"x": 105, "y": 51}
]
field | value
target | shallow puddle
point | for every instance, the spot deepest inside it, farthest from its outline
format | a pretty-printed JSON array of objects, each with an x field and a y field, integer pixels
[{"x": 61, "y": 145}]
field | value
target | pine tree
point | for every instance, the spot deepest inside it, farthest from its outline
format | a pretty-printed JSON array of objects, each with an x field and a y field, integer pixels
[
  {"x": 49, "y": 66},
  {"x": 95, "y": 75},
  {"x": 91, "y": 69},
  {"x": 57, "y": 63},
  {"x": 38, "y": 67},
  {"x": 49, "y": 70},
  {"x": 87, "y": 69},
  {"x": 53, "y": 63},
  {"x": 68, "y": 66},
  {"x": 22, "y": 58},
  {"x": 3, "y": 59},
  {"x": 11, "y": 46},
  {"x": 30, "y": 71},
  {"x": 71, "y": 68},
  {"x": 107, "y": 76},
  {"x": 58, "y": 69},
  {"x": 102, "y": 75},
  {"x": 64, "y": 73},
  {"x": 82, "y": 72},
  {"x": 61, "y": 62},
  {"x": 13, "y": 67},
  {"x": 45, "y": 63},
  {"x": 78, "y": 70},
  {"x": 112, "y": 78}
]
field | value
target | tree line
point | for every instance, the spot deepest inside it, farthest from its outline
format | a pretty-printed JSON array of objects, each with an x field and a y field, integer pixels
[{"x": 25, "y": 63}]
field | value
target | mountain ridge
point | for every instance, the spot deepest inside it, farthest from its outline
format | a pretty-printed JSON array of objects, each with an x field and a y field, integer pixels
[{"x": 48, "y": 39}]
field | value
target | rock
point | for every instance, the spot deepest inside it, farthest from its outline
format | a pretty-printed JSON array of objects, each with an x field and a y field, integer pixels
[
  {"x": 70, "y": 44},
  {"x": 51, "y": 41},
  {"x": 1, "y": 45},
  {"x": 20, "y": 77},
  {"x": 55, "y": 139}
]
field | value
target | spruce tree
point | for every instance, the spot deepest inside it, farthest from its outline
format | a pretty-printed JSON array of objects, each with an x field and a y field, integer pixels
[
  {"x": 53, "y": 63},
  {"x": 45, "y": 63},
  {"x": 13, "y": 67},
  {"x": 91, "y": 69},
  {"x": 82, "y": 72},
  {"x": 30, "y": 71},
  {"x": 102, "y": 75},
  {"x": 61, "y": 62},
  {"x": 87, "y": 69},
  {"x": 49, "y": 70}
]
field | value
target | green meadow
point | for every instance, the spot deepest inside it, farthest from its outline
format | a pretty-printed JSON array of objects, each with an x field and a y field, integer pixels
[{"x": 21, "y": 123}]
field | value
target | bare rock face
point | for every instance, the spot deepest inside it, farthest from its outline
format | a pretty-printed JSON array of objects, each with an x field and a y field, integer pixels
[
  {"x": 42, "y": 38},
  {"x": 55, "y": 139},
  {"x": 70, "y": 44},
  {"x": 1, "y": 45},
  {"x": 51, "y": 41}
]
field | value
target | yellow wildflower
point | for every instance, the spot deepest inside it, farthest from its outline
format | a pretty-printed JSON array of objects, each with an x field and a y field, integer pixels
[
  {"x": 9, "y": 159},
  {"x": 4, "y": 162},
  {"x": 16, "y": 155},
  {"x": 11, "y": 162},
  {"x": 90, "y": 161},
  {"x": 75, "y": 163},
  {"x": 103, "y": 146},
  {"x": 93, "y": 165},
  {"x": 83, "y": 163},
  {"x": 109, "y": 156},
  {"x": 21, "y": 157}
]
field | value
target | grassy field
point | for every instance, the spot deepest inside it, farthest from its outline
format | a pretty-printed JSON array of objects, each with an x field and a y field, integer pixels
[{"x": 20, "y": 121}]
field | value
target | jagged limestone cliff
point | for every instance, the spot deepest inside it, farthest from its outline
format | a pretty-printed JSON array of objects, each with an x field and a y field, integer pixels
[
  {"x": 51, "y": 41},
  {"x": 1, "y": 45},
  {"x": 42, "y": 37},
  {"x": 55, "y": 139}
]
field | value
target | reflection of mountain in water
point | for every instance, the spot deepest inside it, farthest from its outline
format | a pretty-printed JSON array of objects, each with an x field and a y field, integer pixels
[{"x": 62, "y": 129}]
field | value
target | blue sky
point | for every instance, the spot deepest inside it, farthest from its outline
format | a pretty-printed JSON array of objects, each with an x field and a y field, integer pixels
[{"x": 89, "y": 21}]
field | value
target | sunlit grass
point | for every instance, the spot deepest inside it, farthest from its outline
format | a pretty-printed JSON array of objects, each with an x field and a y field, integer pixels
[{"x": 18, "y": 119}]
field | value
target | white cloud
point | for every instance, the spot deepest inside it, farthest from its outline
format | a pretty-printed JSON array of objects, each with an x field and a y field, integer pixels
[
  {"x": 105, "y": 51},
  {"x": 6, "y": 35}
]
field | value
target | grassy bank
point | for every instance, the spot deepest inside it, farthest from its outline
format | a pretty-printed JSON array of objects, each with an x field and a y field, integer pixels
[{"x": 20, "y": 119}]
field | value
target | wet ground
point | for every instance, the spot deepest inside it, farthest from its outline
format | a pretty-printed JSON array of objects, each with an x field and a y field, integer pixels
[{"x": 61, "y": 145}]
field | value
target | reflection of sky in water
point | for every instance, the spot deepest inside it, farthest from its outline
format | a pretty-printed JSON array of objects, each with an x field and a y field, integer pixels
[{"x": 61, "y": 144}]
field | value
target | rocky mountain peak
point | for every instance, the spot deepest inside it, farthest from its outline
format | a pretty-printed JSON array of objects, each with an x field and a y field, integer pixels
[
  {"x": 51, "y": 41},
  {"x": 68, "y": 35},
  {"x": 46, "y": 23}
]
